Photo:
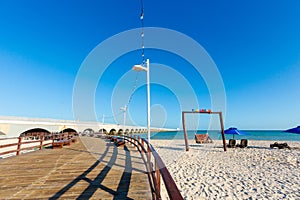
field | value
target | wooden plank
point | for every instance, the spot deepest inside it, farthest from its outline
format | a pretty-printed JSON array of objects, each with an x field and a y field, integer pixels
[
  {"x": 76, "y": 172},
  {"x": 7, "y": 152},
  {"x": 8, "y": 145}
]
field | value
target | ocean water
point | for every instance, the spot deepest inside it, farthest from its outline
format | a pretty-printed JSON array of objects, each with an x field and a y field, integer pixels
[{"x": 271, "y": 135}]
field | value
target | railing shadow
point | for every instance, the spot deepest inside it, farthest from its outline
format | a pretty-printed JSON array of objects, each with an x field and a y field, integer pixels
[
  {"x": 123, "y": 187},
  {"x": 94, "y": 185},
  {"x": 80, "y": 177}
]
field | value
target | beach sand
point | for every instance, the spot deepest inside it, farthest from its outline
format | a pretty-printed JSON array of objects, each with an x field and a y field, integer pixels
[{"x": 256, "y": 172}]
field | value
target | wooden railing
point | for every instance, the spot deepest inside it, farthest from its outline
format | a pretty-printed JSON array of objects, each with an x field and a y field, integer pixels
[
  {"x": 156, "y": 169},
  {"x": 18, "y": 143}
]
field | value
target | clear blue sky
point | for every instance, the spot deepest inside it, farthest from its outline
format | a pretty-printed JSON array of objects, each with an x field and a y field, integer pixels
[{"x": 255, "y": 45}]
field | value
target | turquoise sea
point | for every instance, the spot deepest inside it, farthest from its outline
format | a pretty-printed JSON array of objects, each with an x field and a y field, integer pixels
[{"x": 271, "y": 135}]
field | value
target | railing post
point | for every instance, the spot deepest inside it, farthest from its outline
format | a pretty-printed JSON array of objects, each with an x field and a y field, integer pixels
[
  {"x": 130, "y": 138},
  {"x": 134, "y": 139},
  {"x": 157, "y": 172},
  {"x": 149, "y": 158},
  {"x": 53, "y": 138},
  {"x": 19, "y": 146},
  {"x": 41, "y": 140},
  {"x": 143, "y": 146},
  {"x": 139, "y": 142}
]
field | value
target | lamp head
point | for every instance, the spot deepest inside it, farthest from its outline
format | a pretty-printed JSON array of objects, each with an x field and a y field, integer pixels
[{"x": 139, "y": 68}]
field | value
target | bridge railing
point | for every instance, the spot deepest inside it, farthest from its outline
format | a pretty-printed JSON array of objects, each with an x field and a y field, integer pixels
[{"x": 156, "y": 169}]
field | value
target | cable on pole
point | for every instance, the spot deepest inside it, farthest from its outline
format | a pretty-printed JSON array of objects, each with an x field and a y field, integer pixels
[
  {"x": 143, "y": 32},
  {"x": 143, "y": 62}
]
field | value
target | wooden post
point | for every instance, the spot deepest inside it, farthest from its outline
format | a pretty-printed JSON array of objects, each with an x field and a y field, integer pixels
[
  {"x": 157, "y": 172},
  {"x": 19, "y": 146},
  {"x": 143, "y": 146},
  {"x": 139, "y": 142},
  {"x": 203, "y": 112},
  {"x": 149, "y": 158},
  {"x": 134, "y": 139},
  {"x": 41, "y": 140},
  {"x": 185, "y": 132},
  {"x": 222, "y": 131},
  {"x": 53, "y": 138}
]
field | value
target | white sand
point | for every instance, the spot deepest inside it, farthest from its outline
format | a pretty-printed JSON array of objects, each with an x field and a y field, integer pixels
[{"x": 256, "y": 172}]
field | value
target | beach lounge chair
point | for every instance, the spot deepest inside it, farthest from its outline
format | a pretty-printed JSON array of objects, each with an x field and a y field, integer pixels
[
  {"x": 280, "y": 145},
  {"x": 244, "y": 143},
  {"x": 232, "y": 143},
  {"x": 203, "y": 138}
]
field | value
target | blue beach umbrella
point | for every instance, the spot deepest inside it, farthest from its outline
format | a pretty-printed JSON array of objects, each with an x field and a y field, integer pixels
[
  {"x": 233, "y": 131},
  {"x": 293, "y": 130}
]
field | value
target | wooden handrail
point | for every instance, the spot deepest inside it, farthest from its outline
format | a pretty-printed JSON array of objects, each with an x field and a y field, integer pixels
[
  {"x": 9, "y": 138},
  {"x": 158, "y": 170},
  {"x": 8, "y": 145},
  {"x": 144, "y": 152},
  {"x": 21, "y": 142}
]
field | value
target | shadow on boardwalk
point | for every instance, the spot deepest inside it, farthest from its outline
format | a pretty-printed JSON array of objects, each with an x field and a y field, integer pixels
[
  {"x": 123, "y": 187},
  {"x": 80, "y": 173}
]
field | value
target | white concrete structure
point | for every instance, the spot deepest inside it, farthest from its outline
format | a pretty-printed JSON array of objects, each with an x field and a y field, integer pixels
[{"x": 14, "y": 126}]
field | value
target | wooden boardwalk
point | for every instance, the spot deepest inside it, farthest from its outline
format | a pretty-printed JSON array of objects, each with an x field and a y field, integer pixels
[{"x": 92, "y": 168}]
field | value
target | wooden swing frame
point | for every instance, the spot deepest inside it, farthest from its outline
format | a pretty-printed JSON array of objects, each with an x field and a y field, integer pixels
[{"x": 187, "y": 148}]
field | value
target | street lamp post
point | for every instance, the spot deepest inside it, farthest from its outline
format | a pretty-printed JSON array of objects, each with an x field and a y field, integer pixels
[
  {"x": 147, "y": 69},
  {"x": 124, "y": 109}
]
